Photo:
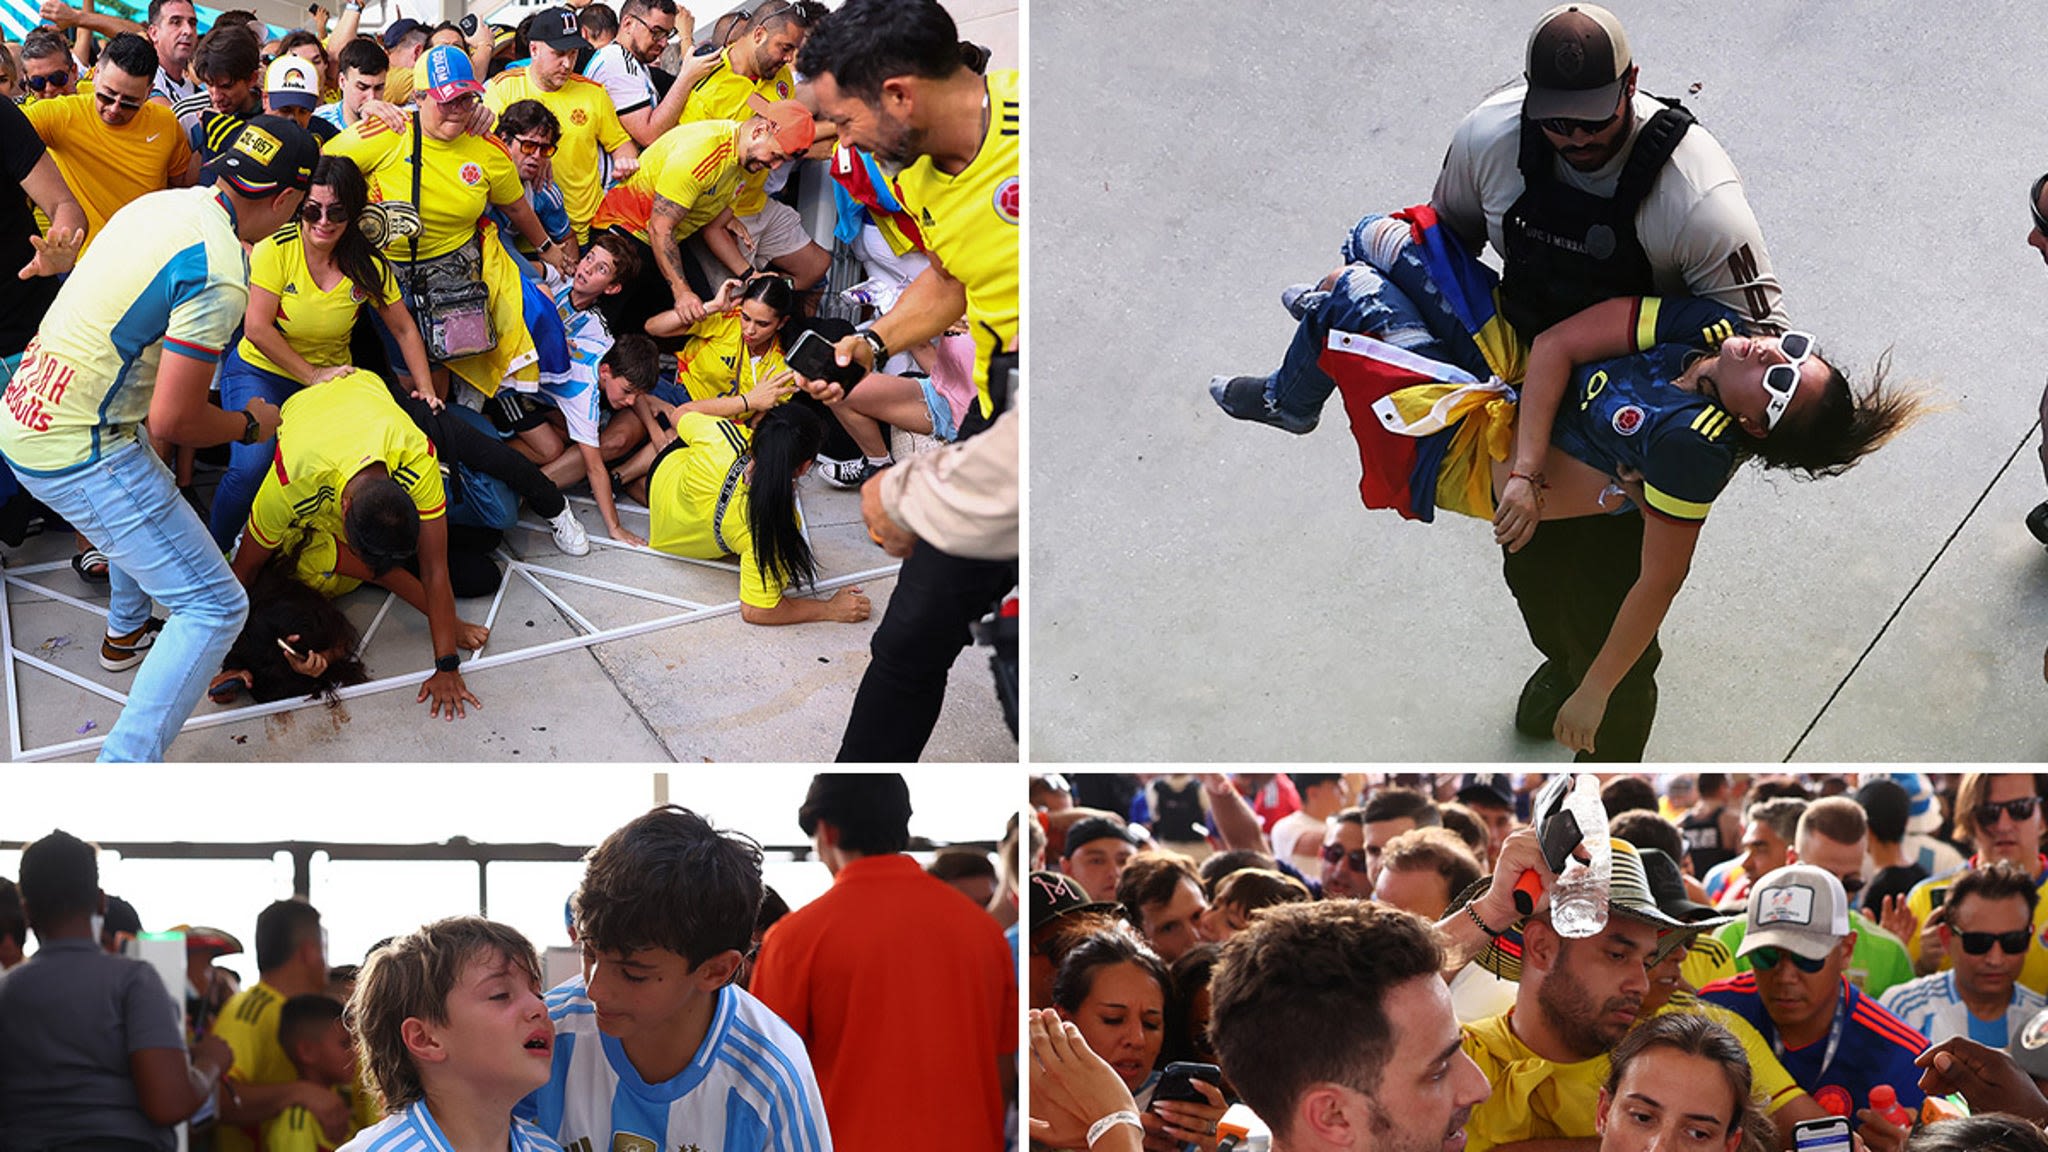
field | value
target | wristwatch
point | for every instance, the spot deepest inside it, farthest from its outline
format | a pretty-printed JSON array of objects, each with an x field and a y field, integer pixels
[
  {"x": 251, "y": 431},
  {"x": 875, "y": 342},
  {"x": 448, "y": 663}
]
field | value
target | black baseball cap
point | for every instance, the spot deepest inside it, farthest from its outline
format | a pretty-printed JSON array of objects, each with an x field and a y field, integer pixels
[
  {"x": 269, "y": 155},
  {"x": 398, "y": 30},
  {"x": 843, "y": 797},
  {"x": 1578, "y": 63},
  {"x": 1055, "y": 894},
  {"x": 1095, "y": 828},
  {"x": 558, "y": 29}
]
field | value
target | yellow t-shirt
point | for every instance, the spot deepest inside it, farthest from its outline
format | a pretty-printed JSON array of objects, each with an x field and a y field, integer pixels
[
  {"x": 108, "y": 167},
  {"x": 315, "y": 323},
  {"x": 461, "y": 177},
  {"x": 329, "y": 434},
  {"x": 2034, "y": 972},
  {"x": 398, "y": 85},
  {"x": 969, "y": 222},
  {"x": 683, "y": 493},
  {"x": 590, "y": 128},
  {"x": 1533, "y": 1098},
  {"x": 695, "y": 165},
  {"x": 248, "y": 1022},
  {"x": 295, "y": 1130},
  {"x": 715, "y": 361},
  {"x": 721, "y": 94}
]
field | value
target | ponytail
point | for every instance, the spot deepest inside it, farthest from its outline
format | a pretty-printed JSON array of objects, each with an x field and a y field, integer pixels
[{"x": 787, "y": 438}]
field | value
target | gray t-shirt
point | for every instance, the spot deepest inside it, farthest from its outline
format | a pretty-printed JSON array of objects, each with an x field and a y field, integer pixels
[{"x": 69, "y": 1018}]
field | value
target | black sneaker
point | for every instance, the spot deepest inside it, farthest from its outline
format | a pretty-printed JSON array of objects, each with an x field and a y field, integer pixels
[
  {"x": 2037, "y": 522},
  {"x": 1547, "y": 690},
  {"x": 1245, "y": 398}
]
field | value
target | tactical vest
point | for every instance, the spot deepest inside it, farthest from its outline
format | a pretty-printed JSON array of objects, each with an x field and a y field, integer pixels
[{"x": 1567, "y": 249}]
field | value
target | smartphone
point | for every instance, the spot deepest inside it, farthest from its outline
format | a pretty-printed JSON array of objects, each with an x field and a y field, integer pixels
[
  {"x": 813, "y": 359},
  {"x": 1174, "y": 1083},
  {"x": 1937, "y": 897},
  {"x": 467, "y": 24},
  {"x": 1829, "y": 1134},
  {"x": 661, "y": 420}
]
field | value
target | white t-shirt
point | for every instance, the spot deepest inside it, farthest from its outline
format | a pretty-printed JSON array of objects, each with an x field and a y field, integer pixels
[
  {"x": 1695, "y": 225},
  {"x": 623, "y": 76},
  {"x": 1295, "y": 829}
]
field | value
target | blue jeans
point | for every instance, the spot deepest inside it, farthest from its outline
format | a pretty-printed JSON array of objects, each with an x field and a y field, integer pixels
[
  {"x": 127, "y": 504},
  {"x": 241, "y": 382},
  {"x": 1398, "y": 304}
]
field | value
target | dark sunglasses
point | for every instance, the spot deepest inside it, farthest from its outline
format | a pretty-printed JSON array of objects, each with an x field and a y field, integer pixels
[
  {"x": 310, "y": 213},
  {"x": 1852, "y": 884},
  {"x": 1764, "y": 959},
  {"x": 2011, "y": 943},
  {"x": 121, "y": 102},
  {"x": 1333, "y": 852},
  {"x": 2020, "y": 809},
  {"x": 1565, "y": 126},
  {"x": 2034, "y": 205},
  {"x": 38, "y": 83}
]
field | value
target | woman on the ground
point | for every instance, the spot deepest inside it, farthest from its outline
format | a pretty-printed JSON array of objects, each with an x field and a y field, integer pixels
[
  {"x": 296, "y": 642},
  {"x": 712, "y": 492},
  {"x": 328, "y": 269}
]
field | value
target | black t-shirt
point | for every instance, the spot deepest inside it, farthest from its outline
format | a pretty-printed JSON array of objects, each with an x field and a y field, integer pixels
[{"x": 22, "y": 302}]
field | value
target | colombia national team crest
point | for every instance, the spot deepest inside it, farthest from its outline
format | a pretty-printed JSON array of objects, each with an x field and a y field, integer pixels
[
  {"x": 1628, "y": 418},
  {"x": 472, "y": 174},
  {"x": 579, "y": 117},
  {"x": 1009, "y": 201}
]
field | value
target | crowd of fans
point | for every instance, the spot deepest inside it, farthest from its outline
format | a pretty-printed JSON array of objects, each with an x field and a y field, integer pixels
[
  {"x": 1350, "y": 961},
  {"x": 707, "y": 1012},
  {"x": 532, "y": 259}
]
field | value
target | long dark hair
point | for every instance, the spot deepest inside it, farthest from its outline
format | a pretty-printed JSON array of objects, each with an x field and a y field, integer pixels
[
  {"x": 358, "y": 259},
  {"x": 1695, "y": 1035},
  {"x": 787, "y": 438},
  {"x": 1842, "y": 429},
  {"x": 281, "y": 607},
  {"x": 773, "y": 290}
]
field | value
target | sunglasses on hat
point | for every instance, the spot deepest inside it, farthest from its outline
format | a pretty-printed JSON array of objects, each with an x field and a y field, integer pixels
[
  {"x": 2020, "y": 810},
  {"x": 1764, "y": 959},
  {"x": 2011, "y": 943}
]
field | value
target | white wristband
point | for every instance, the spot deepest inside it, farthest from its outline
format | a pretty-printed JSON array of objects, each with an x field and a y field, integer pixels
[{"x": 1098, "y": 1129}]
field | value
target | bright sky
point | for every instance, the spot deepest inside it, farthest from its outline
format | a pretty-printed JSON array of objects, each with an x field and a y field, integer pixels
[{"x": 363, "y": 902}]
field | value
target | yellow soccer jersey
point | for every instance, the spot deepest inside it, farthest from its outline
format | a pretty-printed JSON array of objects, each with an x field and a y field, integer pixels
[
  {"x": 295, "y": 1130},
  {"x": 715, "y": 362},
  {"x": 970, "y": 223},
  {"x": 721, "y": 94},
  {"x": 248, "y": 1022},
  {"x": 107, "y": 167},
  {"x": 590, "y": 128},
  {"x": 329, "y": 434},
  {"x": 2034, "y": 972},
  {"x": 315, "y": 323},
  {"x": 683, "y": 494},
  {"x": 460, "y": 178},
  {"x": 695, "y": 165},
  {"x": 171, "y": 277}
]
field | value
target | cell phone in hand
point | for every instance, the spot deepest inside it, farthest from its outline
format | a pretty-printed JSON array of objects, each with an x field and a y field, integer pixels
[
  {"x": 467, "y": 24},
  {"x": 813, "y": 359},
  {"x": 1176, "y": 1083},
  {"x": 1829, "y": 1134}
]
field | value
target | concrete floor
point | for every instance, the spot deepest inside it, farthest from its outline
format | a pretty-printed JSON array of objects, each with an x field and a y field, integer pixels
[
  {"x": 1205, "y": 589},
  {"x": 716, "y": 689}
]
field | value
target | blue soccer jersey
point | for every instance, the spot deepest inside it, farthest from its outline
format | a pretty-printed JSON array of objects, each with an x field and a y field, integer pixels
[
  {"x": 748, "y": 1089},
  {"x": 1869, "y": 1046},
  {"x": 413, "y": 1130},
  {"x": 1626, "y": 412}
]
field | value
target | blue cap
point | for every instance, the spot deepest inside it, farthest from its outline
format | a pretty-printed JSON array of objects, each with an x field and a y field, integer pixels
[{"x": 444, "y": 74}]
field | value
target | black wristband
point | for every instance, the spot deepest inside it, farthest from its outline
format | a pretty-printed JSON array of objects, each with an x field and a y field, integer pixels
[
  {"x": 449, "y": 663},
  {"x": 875, "y": 342}
]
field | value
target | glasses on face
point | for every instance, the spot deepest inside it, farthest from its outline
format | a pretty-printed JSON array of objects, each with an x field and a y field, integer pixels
[
  {"x": 462, "y": 105},
  {"x": 121, "y": 102},
  {"x": 38, "y": 83},
  {"x": 2021, "y": 810},
  {"x": 1852, "y": 884},
  {"x": 2011, "y": 943},
  {"x": 2034, "y": 206},
  {"x": 311, "y": 212},
  {"x": 1565, "y": 126},
  {"x": 661, "y": 35},
  {"x": 1765, "y": 959},
  {"x": 1333, "y": 852},
  {"x": 538, "y": 148},
  {"x": 1782, "y": 380}
]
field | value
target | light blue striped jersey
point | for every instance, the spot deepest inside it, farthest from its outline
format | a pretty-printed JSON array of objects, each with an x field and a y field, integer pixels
[
  {"x": 414, "y": 1130},
  {"x": 576, "y": 392},
  {"x": 748, "y": 1089},
  {"x": 1934, "y": 1006}
]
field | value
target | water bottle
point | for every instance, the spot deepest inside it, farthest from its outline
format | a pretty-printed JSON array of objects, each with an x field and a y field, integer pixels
[
  {"x": 1884, "y": 1101},
  {"x": 1578, "y": 903}
]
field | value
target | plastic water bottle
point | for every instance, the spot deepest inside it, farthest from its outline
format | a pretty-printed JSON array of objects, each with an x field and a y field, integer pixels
[
  {"x": 1884, "y": 1101},
  {"x": 1578, "y": 904}
]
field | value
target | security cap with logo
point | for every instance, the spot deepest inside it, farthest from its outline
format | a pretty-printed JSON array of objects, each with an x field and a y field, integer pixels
[
  {"x": 292, "y": 82},
  {"x": 444, "y": 74},
  {"x": 557, "y": 28},
  {"x": 1578, "y": 64},
  {"x": 271, "y": 154},
  {"x": 1628, "y": 896},
  {"x": 794, "y": 129},
  {"x": 1799, "y": 908}
]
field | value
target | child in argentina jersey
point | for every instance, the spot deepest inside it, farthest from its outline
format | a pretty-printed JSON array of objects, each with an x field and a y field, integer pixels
[
  {"x": 749, "y": 1088},
  {"x": 1627, "y": 413},
  {"x": 413, "y": 1130}
]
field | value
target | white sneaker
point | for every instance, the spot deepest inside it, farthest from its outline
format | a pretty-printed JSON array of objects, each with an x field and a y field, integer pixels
[{"x": 569, "y": 534}]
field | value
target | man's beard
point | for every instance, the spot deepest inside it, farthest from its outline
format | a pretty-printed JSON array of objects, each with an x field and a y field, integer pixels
[{"x": 1571, "y": 1013}]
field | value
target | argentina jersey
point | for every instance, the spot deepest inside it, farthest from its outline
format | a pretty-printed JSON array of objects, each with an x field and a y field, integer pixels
[
  {"x": 748, "y": 1089},
  {"x": 1628, "y": 413},
  {"x": 576, "y": 391},
  {"x": 414, "y": 1130}
]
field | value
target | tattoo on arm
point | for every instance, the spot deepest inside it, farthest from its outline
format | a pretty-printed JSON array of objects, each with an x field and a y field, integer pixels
[{"x": 661, "y": 236}]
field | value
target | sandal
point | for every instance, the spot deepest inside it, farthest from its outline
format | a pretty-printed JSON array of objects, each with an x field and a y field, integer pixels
[{"x": 91, "y": 566}]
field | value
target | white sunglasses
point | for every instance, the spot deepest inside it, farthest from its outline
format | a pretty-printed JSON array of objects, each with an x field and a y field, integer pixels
[{"x": 1782, "y": 380}]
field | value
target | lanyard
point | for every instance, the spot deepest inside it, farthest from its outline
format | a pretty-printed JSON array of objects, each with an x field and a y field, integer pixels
[{"x": 1834, "y": 1035}]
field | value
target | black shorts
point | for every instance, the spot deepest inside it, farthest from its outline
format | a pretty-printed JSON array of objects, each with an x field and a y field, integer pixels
[{"x": 511, "y": 411}]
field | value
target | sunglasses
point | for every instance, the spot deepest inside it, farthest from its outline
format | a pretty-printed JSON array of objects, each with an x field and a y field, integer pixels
[
  {"x": 2011, "y": 943},
  {"x": 121, "y": 102},
  {"x": 310, "y": 212},
  {"x": 1852, "y": 884},
  {"x": 533, "y": 147},
  {"x": 1565, "y": 126},
  {"x": 38, "y": 83},
  {"x": 2020, "y": 810},
  {"x": 2034, "y": 206},
  {"x": 1764, "y": 959},
  {"x": 1782, "y": 380},
  {"x": 1333, "y": 852},
  {"x": 461, "y": 105}
]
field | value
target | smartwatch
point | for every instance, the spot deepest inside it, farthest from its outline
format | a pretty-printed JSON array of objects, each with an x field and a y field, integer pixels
[
  {"x": 448, "y": 663},
  {"x": 251, "y": 431},
  {"x": 875, "y": 342}
]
